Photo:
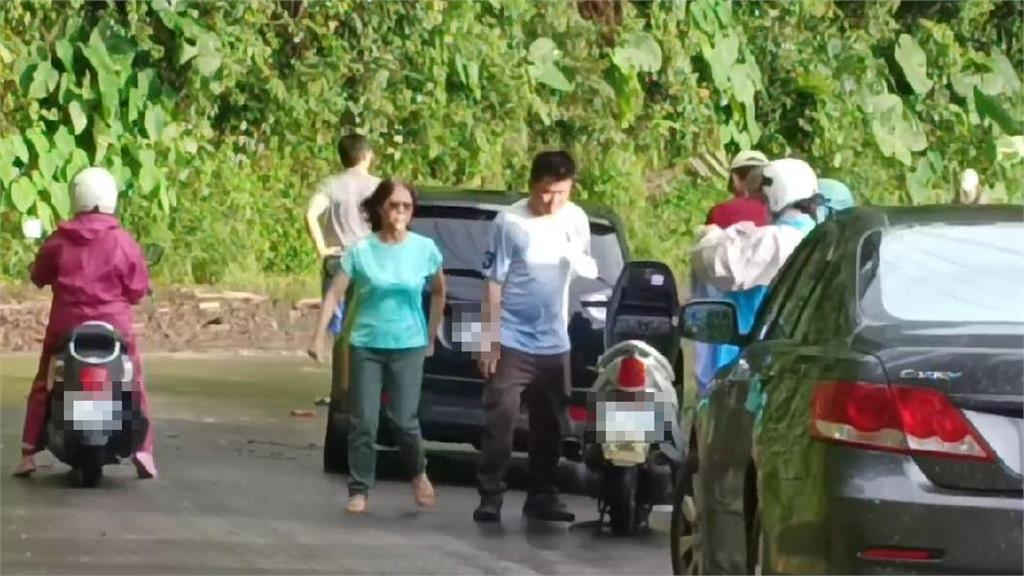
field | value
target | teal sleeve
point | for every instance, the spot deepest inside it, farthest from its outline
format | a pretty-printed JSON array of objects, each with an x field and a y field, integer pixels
[{"x": 434, "y": 259}]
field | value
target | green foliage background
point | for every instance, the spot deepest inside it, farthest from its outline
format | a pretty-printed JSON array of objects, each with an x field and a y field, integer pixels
[{"x": 219, "y": 117}]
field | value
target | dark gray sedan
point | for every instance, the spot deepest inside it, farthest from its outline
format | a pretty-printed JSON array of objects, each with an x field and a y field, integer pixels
[{"x": 873, "y": 421}]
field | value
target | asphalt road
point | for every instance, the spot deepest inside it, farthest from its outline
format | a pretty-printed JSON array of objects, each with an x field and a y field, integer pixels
[{"x": 241, "y": 491}]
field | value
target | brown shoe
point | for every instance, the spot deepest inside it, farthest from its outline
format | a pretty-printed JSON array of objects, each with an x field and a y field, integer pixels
[
  {"x": 423, "y": 491},
  {"x": 356, "y": 504}
]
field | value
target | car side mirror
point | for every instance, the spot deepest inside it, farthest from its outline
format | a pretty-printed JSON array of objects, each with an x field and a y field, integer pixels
[
  {"x": 153, "y": 254},
  {"x": 710, "y": 321}
]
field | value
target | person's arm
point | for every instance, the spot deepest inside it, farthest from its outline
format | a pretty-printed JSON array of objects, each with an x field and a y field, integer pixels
[
  {"x": 495, "y": 270},
  {"x": 318, "y": 204},
  {"x": 580, "y": 260},
  {"x": 491, "y": 319},
  {"x": 334, "y": 296},
  {"x": 135, "y": 278},
  {"x": 437, "y": 300},
  {"x": 43, "y": 271}
]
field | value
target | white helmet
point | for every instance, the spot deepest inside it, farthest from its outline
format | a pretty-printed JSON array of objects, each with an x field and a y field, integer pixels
[
  {"x": 94, "y": 188},
  {"x": 788, "y": 181}
]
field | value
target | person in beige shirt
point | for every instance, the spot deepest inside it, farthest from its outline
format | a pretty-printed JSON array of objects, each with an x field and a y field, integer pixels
[{"x": 334, "y": 218}]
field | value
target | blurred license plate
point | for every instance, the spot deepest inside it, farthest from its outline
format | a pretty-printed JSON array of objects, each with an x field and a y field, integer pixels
[
  {"x": 94, "y": 411},
  {"x": 626, "y": 422}
]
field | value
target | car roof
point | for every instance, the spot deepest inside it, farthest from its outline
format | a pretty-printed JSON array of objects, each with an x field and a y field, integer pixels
[
  {"x": 887, "y": 216},
  {"x": 500, "y": 200}
]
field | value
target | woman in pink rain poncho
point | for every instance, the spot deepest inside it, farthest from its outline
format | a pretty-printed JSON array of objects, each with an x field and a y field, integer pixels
[{"x": 96, "y": 272}]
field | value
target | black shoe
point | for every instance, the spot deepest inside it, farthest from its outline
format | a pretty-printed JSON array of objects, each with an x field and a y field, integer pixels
[
  {"x": 547, "y": 507},
  {"x": 489, "y": 509}
]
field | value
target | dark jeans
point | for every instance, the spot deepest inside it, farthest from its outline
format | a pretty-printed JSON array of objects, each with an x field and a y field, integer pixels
[
  {"x": 546, "y": 379},
  {"x": 399, "y": 373}
]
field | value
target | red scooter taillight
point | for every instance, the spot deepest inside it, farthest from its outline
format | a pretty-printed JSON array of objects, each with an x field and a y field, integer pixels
[
  {"x": 93, "y": 378},
  {"x": 632, "y": 374}
]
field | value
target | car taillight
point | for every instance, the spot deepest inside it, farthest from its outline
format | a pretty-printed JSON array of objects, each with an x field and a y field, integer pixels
[
  {"x": 897, "y": 418},
  {"x": 92, "y": 378},
  {"x": 632, "y": 374}
]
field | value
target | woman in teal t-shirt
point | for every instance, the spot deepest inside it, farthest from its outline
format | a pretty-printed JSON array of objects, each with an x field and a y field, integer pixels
[{"x": 390, "y": 336}]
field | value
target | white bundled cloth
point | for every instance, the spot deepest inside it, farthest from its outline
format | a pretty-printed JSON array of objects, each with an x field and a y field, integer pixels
[{"x": 743, "y": 255}]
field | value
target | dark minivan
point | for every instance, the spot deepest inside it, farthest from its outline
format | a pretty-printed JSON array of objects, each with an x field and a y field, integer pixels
[{"x": 460, "y": 222}]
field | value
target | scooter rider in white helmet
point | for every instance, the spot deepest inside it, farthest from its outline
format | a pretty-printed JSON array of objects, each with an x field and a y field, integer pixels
[
  {"x": 791, "y": 189},
  {"x": 96, "y": 272},
  {"x": 744, "y": 257}
]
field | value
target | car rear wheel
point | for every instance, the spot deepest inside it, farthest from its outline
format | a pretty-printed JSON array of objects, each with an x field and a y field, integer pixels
[{"x": 685, "y": 537}]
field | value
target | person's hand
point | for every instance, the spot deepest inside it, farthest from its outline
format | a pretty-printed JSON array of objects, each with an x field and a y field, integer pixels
[
  {"x": 316, "y": 348},
  {"x": 430, "y": 350},
  {"x": 488, "y": 363},
  {"x": 328, "y": 252}
]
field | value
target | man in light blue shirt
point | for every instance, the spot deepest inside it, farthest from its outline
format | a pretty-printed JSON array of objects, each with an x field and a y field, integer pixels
[{"x": 538, "y": 245}]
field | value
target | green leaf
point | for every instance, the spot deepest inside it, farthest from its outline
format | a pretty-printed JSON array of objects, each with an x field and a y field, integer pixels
[
  {"x": 209, "y": 59},
  {"x": 816, "y": 83},
  {"x": 66, "y": 54},
  {"x": 551, "y": 76},
  {"x": 48, "y": 164},
  {"x": 543, "y": 51},
  {"x": 155, "y": 122},
  {"x": 919, "y": 183},
  {"x": 39, "y": 142},
  {"x": 914, "y": 63},
  {"x": 8, "y": 171},
  {"x": 988, "y": 107},
  {"x": 896, "y": 137},
  {"x": 78, "y": 118},
  {"x": 640, "y": 52},
  {"x": 63, "y": 143},
  {"x": 107, "y": 73},
  {"x": 721, "y": 57},
  {"x": 23, "y": 194},
  {"x": 59, "y": 198},
  {"x": 44, "y": 213},
  {"x": 186, "y": 51},
  {"x": 102, "y": 139},
  {"x": 148, "y": 175},
  {"x": 1002, "y": 66},
  {"x": 79, "y": 161},
  {"x": 1010, "y": 149},
  {"x": 742, "y": 84},
  {"x": 19, "y": 148},
  {"x": 44, "y": 80}
]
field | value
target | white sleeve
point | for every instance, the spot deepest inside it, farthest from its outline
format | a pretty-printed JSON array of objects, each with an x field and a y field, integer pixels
[
  {"x": 318, "y": 204},
  {"x": 580, "y": 260}
]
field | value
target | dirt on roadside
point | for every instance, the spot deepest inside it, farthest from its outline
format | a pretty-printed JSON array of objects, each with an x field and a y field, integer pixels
[{"x": 176, "y": 320}]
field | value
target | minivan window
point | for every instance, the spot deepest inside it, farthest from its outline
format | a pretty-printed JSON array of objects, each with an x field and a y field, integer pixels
[
  {"x": 945, "y": 273},
  {"x": 463, "y": 234}
]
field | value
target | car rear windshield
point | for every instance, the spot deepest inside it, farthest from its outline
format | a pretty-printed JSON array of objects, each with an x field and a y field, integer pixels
[
  {"x": 463, "y": 235},
  {"x": 944, "y": 273}
]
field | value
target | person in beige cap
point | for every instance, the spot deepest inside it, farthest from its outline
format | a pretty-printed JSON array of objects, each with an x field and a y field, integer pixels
[
  {"x": 745, "y": 184},
  {"x": 747, "y": 204}
]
